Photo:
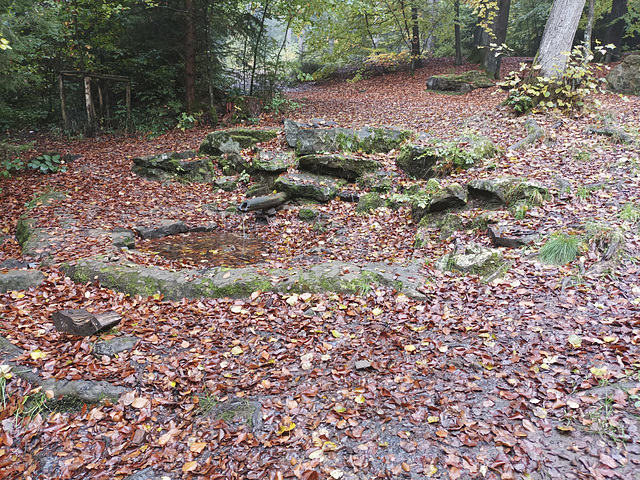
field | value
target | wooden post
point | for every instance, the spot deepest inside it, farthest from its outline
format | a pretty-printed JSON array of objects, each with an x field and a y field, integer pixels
[
  {"x": 128, "y": 100},
  {"x": 100, "y": 102},
  {"x": 63, "y": 103}
]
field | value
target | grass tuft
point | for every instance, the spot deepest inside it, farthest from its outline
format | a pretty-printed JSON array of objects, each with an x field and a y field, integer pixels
[{"x": 560, "y": 249}]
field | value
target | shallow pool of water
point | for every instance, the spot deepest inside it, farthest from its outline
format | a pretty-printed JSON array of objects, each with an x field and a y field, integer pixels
[{"x": 208, "y": 249}]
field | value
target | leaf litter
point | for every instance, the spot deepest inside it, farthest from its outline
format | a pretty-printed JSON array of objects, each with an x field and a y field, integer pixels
[{"x": 526, "y": 375}]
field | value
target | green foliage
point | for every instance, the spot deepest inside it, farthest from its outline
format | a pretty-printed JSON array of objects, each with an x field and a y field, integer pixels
[
  {"x": 569, "y": 93},
  {"x": 11, "y": 157},
  {"x": 187, "y": 122},
  {"x": 48, "y": 164},
  {"x": 5, "y": 375},
  {"x": 560, "y": 249},
  {"x": 280, "y": 104},
  {"x": 630, "y": 212},
  {"x": 454, "y": 158}
]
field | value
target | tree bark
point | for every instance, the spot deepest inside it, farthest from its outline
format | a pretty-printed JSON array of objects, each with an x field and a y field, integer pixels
[
  {"x": 189, "y": 55},
  {"x": 257, "y": 46},
  {"x": 456, "y": 6},
  {"x": 558, "y": 36},
  {"x": 615, "y": 28},
  {"x": 415, "y": 39},
  {"x": 589, "y": 28},
  {"x": 493, "y": 57}
]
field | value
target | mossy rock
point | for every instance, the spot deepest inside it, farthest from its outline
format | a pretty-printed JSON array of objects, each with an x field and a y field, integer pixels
[
  {"x": 449, "y": 224},
  {"x": 460, "y": 82},
  {"x": 44, "y": 199},
  {"x": 380, "y": 181},
  {"x": 418, "y": 161},
  {"x": 349, "y": 168},
  {"x": 308, "y": 214},
  {"x": 369, "y": 202},
  {"x": 303, "y": 185},
  {"x": 223, "y": 142},
  {"x": 487, "y": 263},
  {"x": 227, "y": 184},
  {"x": 25, "y": 229}
]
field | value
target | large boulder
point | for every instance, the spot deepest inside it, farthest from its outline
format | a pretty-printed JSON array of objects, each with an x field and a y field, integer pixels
[
  {"x": 309, "y": 138},
  {"x": 174, "y": 166},
  {"x": 223, "y": 142},
  {"x": 418, "y": 161},
  {"x": 440, "y": 158},
  {"x": 488, "y": 263},
  {"x": 625, "y": 77},
  {"x": 272, "y": 162},
  {"x": 506, "y": 190},
  {"x": 305, "y": 185},
  {"x": 462, "y": 82},
  {"x": 20, "y": 280},
  {"x": 349, "y": 168}
]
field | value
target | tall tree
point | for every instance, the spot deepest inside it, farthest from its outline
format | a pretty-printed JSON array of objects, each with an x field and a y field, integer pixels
[
  {"x": 615, "y": 28},
  {"x": 558, "y": 36},
  {"x": 490, "y": 33},
  {"x": 457, "y": 36},
  {"x": 493, "y": 58}
]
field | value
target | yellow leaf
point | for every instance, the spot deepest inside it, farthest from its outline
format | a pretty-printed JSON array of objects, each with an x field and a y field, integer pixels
[
  {"x": 402, "y": 298},
  {"x": 236, "y": 309},
  {"x": 376, "y": 311},
  {"x": 540, "y": 412},
  {"x": 598, "y": 372},
  {"x": 140, "y": 402},
  {"x": 575, "y": 340},
  {"x": 610, "y": 339},
  {"x": 292, "y": 300},
  {"x": 565, "y": 428},
  {"x": 433, "y": 419},
  {"x": 336, "y": 333},
  {"x": 315, "y": 454},
  {"x": 337, "y": 474},
  {"x": 237, "y": 350},
  {"x": 409, "y": 348},
  {"x": 197, "y": 447},
  {"x": 36, "y": 354},
  {"x": 305, "y": 296},
  {"x": 329, "y": 446},
  {"x": 573, "y": 404},
  {"x": 286, "y": 427},
  {"x": 359, "y": 399},
  {"x": 189, "y": 466},
  {"x": 431, "y": 470}
]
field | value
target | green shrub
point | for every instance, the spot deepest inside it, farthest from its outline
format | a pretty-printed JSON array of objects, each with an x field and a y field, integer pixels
[
  {"x": 560, "y": 249},
  {"x": 47, "y": 163},
  {"x": 11, "y": 160},
  {"x": 568, "y": 93}
]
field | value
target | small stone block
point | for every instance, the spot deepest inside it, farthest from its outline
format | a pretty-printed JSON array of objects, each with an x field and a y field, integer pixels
[
  {"x": 82, "y": 323},
  {"x": 362, "y": 364}
]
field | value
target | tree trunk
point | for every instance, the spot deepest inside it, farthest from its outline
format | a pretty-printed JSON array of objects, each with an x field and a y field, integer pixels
[
  {"x": 189, "y": 55},
  {"x": 558, "y": 36},
  {"x": 493, "y": 57},
  {"x": 615, "y": 28},
  {"x": 589, "y": 28},
  {"x": 456, "y": 6},
  {"x": 257, "y": 46},
  {"x": 415, "y": 39}
]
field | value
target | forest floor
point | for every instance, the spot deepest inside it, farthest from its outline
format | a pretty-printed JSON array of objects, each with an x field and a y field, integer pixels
[{"x": 528, "y": 376}]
